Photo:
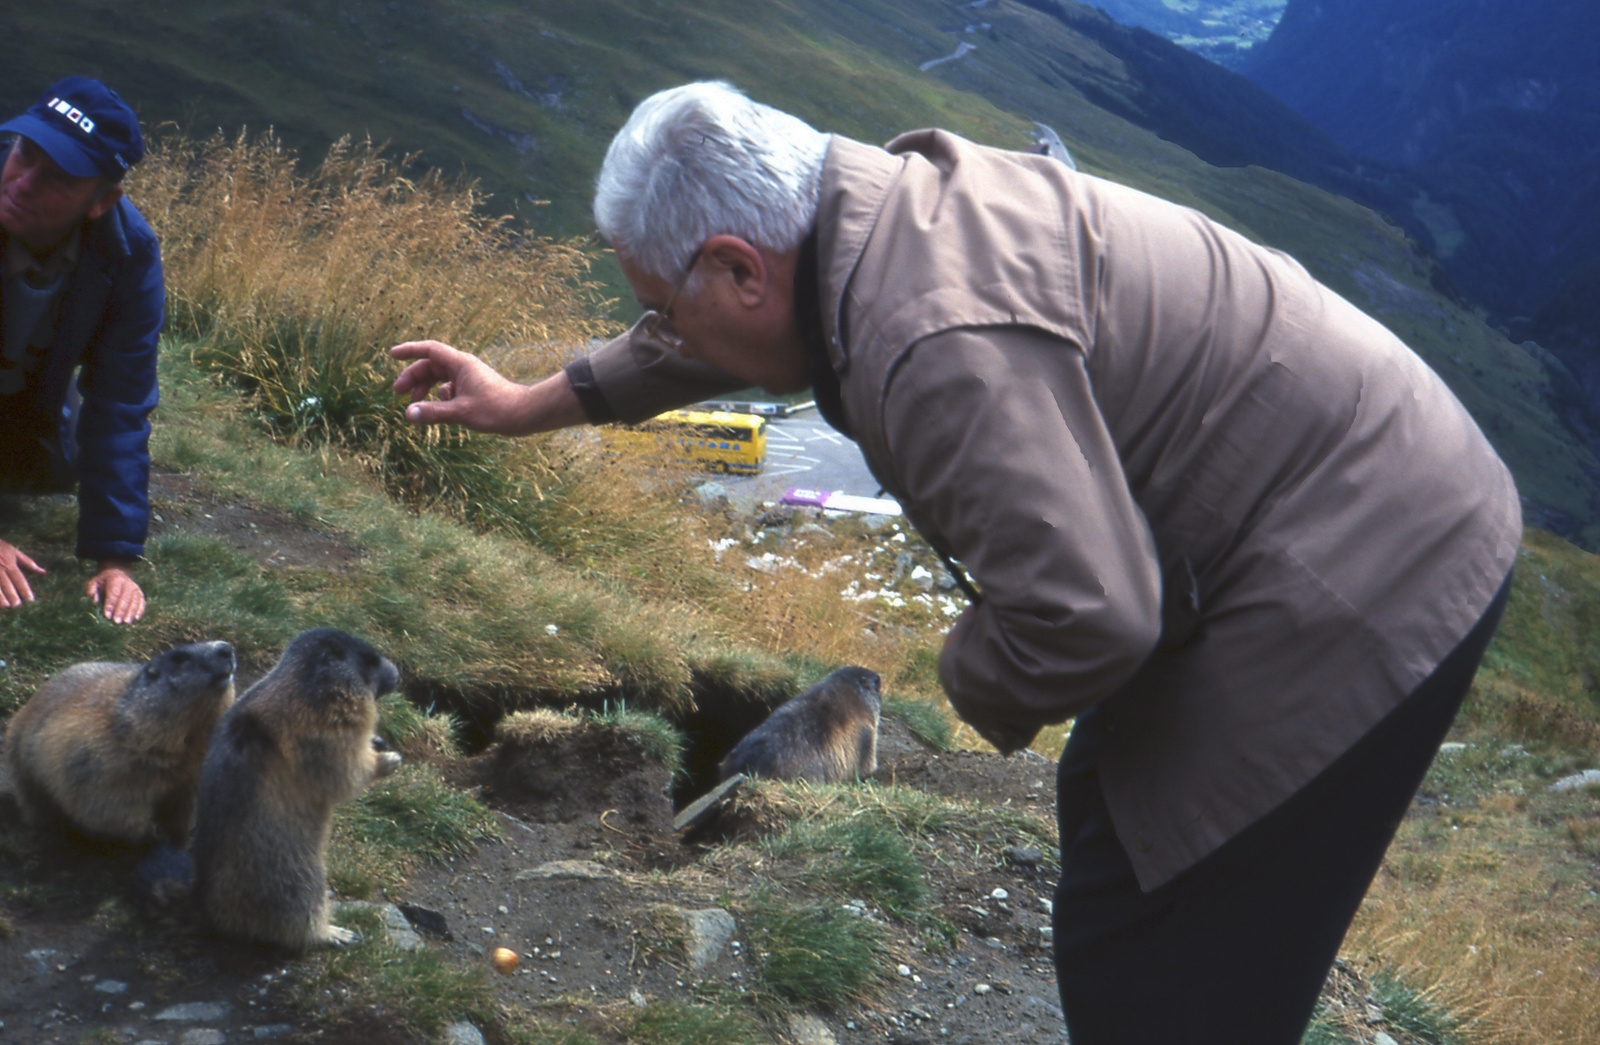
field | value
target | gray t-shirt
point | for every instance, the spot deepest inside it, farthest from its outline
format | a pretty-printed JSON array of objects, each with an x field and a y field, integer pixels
[{"x": 30, "y": 301}]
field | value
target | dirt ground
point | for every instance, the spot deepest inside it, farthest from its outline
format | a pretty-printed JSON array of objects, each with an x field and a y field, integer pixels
[{"x": 587, "y": 862}]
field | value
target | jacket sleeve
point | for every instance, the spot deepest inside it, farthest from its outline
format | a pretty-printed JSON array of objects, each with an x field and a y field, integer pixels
[
  {"x": 1005, "y": 462},
  {"x": 633, "y": 377},
  {"x": 118, "y": 385}
]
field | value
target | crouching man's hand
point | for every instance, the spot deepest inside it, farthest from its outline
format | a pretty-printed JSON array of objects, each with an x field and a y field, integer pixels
[
  {"x": 14, "y": 570},
  {"x": 114, "y": 587}
]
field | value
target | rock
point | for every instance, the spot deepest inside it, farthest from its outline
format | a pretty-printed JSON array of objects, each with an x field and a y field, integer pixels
[
  {"x": 1381, "y": 1038},
  {"x": 462, "y": 1034},
  {"x": 580, "y": 869},
  {"x": 1584, "y": 779},
  {"x": 807, "y": 1029},
  {"x": 396, "y": 926},
  {"x": 708, "y": 931},
  {"x": 982, "y": 989},
  {"x": 702, "y": 809},
  {"x": 424, "y": 920},
  {"x": 269, "y": 1031},
  {"x": 111, "y": 987},
  {"x": 195, "y": 1012},
  {"x": 1024, "y": 856},
  {"x": 203, "y": 1036}
]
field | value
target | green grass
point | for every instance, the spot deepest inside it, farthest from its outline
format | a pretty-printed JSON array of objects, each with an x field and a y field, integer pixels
[
  {"x": 815, "y": 954},
  {"x": 860, "y": 858},
  {"x": 399, "y": 822},
  {"x": 681, "y": 1023},
  {"x": 422, "y": 987},
  {"x": 413, "y": 76}
]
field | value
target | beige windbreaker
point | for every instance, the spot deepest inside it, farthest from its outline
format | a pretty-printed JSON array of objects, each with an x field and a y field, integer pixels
[{"x": 1190, "y": 481}]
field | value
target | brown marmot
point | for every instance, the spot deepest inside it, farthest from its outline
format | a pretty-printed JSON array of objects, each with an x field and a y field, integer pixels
[
  {"x": 113, "y": 751},
  {"x": 826, "y": 734},
  {"x": 298, "y": 743}
]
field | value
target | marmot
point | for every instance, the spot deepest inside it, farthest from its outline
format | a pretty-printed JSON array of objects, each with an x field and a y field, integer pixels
[
  {"x": 825, "y": 734},
  {"x": 113, "y": 751},
  {"x": 297, "y": 743}
]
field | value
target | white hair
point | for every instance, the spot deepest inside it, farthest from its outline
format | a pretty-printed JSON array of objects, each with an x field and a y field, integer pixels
[{"x": 703, "y": 160}]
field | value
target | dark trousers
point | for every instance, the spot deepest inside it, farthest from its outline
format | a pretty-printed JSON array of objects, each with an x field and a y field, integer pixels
[
  {"x": 1234, "y": 951},
  {"x": 31, "y": 459}
]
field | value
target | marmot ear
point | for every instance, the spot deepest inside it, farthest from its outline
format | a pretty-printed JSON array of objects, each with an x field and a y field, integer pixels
[{"x": 152, "y": 671}]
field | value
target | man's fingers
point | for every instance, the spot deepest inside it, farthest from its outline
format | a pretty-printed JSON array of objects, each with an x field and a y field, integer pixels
[
  {"x": 14, "y": 590},
  {"x": 28, "y": 564},
  {"x": 433, "y": 412}
]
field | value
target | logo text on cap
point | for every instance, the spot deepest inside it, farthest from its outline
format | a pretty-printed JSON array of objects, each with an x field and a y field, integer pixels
[{"x": 73, "y": 114}]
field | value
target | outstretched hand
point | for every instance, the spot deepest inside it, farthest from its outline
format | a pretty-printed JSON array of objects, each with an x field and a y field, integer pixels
[
  {"x": 467, "y": 391},
  {"x": 14, "y": 570},
  {"x": 115, "y": 587}
]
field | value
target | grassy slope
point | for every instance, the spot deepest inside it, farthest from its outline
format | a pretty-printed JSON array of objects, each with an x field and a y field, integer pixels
[{"x": 525, "y": 96}]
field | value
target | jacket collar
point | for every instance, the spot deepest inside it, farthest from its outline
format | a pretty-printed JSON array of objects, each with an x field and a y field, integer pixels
[{"x": 856, "y": 179}]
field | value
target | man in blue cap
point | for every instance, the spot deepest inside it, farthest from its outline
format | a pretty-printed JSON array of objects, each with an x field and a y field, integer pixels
[{"x": 82, "y": 299}]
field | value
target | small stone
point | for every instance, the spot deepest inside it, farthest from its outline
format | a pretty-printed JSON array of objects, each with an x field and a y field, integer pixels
[
  {"x": 1381, "y": 1038},
  {"x": 195, "y": 1012},
  {"x": 462, "y": 1034},
  {"x": 636, "y": 998},
  {"x": 1577, "y": 780},
  {"x": 904, "y": 970},
  {"x": 271, "y": 1030},
  {"x": 203, "y": 1036},
  {"x": 111, "y": 987},
  {"x": 709, "y": 930},
  {"x": 999, "y": 894},
  {"x": 807, "y": 1029},
  {"x": 982, "y": 989},
  {"x": 580, "y": 869}
]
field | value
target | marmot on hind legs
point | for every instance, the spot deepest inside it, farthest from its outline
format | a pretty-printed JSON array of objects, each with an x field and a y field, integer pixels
[
  {"x": 113, "y": 751},
  {"x": 294, "y": 746},
  {"x": 825, "y": 734}
]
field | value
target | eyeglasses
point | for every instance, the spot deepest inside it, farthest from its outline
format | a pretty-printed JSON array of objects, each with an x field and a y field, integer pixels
[{"x": 659, "y": 325}]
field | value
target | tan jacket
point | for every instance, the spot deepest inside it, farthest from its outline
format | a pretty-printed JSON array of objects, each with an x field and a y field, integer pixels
[{"x": 1118, "y": 415}]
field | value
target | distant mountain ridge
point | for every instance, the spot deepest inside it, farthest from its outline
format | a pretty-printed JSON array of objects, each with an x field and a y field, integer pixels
[{"x": 1493, "y": 106}]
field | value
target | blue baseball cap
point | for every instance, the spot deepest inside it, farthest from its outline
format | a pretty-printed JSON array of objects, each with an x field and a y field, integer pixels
[{"x": 85, "y": 127}]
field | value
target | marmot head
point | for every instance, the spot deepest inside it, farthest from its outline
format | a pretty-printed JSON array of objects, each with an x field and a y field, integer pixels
[
  {"x": 862, "y": 680},
  {"x": 326, "y": 665},
  {"x": 185, "y": 673}
]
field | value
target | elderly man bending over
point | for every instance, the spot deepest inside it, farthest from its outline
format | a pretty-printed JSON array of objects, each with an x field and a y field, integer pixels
[{"x": 1216, "y": 512}]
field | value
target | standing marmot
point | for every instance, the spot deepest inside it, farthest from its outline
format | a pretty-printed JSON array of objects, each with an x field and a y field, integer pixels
[
  {"x": 298, "y": 743},
  {"x": 825, "y": 734},
  {"x": 114, "y": 750}
]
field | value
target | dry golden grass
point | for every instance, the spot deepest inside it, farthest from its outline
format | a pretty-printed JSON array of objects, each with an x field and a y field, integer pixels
[{"x": 1493, "y": 921}]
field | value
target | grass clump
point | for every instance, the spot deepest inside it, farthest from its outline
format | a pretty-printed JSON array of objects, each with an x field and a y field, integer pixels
[
  {"x": 1416, "y": 1015},
  {"x": 657, "y": 737},
  {"x": 399, "y": 822},
  {"x": 816, "y": 954},
  {"x": 422, "y": 987},
  {"x": 682, "y": 1023},
  {"x": 415, "y": 733},
  {"x": 861, "y": 858},
  {"x": 927, "y": 720},
  {"x": 915, "y": 815}
]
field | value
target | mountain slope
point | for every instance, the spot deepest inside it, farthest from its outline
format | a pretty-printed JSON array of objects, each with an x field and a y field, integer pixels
[
  {"x": 1493, "y": 105},
  {"x": 525, "y": 96}
]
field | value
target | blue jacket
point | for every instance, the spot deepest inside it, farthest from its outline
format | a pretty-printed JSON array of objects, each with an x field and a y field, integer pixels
[{"x": 110, "y": 321}]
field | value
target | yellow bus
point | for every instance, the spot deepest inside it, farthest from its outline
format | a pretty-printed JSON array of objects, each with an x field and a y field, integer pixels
[{"x": 718, "y": 440}]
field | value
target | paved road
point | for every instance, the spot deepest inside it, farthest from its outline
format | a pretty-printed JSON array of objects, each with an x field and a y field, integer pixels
[{"x": 803, "y": 451}]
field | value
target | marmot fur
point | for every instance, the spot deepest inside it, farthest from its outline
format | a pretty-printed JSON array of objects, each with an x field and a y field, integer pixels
[
  {"x": 113, "y": 751},
  {"x": 825, "y": 734},
  {"x": 298, "y": 743}
]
